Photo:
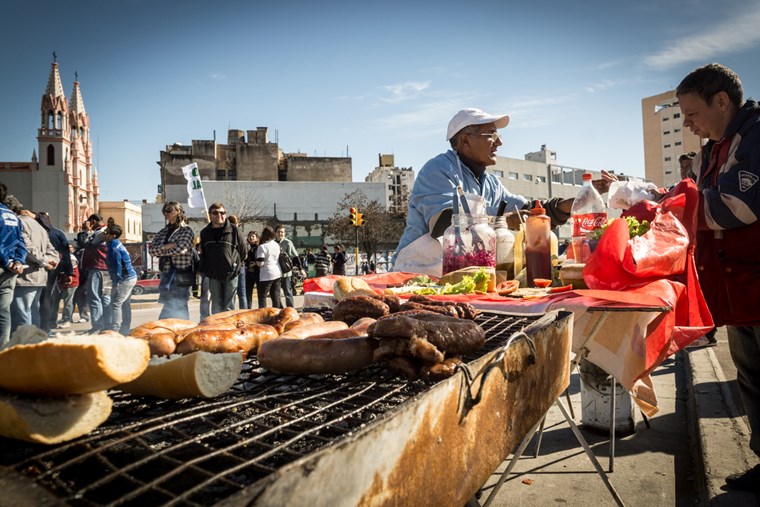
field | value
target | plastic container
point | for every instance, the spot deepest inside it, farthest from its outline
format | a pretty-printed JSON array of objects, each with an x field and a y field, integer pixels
[
  {"x": 588, "y": 213},
  {"x": 538, "y": 244},
  {"x": 469, "y": 241},
  {"x": 505, "y": 247},
  {"x": 519, "y": 250}
]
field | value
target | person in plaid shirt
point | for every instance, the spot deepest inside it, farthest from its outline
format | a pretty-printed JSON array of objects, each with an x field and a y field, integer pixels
[{"x": 174, "y": 246}]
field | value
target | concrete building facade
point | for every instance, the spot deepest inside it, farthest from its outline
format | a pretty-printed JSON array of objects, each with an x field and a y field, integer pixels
[
  {"x": 63, "y": 181},
  {"x": 665, "y": 138},
  {"x": 399, "y": 180},
  {"x": 126, "y": 214},
  {"x": 247, "y": 156}
]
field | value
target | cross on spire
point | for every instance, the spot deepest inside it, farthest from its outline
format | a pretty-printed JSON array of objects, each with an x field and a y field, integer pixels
[
  {"x": 54, "y": 57},
  {"x": 76, "y": 76}
]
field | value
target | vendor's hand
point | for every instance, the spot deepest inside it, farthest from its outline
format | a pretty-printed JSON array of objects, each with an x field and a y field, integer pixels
[
  {"x": 602, "y": 185},
  {"x": 513, "y": 219},
  {"x": 17, "y": 267}
]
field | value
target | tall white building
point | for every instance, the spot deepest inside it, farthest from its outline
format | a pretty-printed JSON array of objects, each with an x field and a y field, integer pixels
[{"x": 399, "y": 180}]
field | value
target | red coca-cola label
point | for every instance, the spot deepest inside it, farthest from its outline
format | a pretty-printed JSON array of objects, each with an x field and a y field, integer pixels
[{"x": 583, "y": 224}]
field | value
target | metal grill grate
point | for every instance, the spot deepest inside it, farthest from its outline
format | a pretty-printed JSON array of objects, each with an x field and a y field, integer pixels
[{"x": 198, "y": 452}]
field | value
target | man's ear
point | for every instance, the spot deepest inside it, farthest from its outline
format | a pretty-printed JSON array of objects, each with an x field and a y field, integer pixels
[{"x": 722, "y": 100}]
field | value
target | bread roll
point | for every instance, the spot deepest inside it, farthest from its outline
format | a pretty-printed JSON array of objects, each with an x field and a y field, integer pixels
[
  {"x": 72, "y": 364},
  {"x": 52, "y": 420},
  {"x": 347, "y": 286},
  {"x": 198, "y": 374}
]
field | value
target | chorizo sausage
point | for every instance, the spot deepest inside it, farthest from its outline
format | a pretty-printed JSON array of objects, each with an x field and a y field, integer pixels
[
  {"x": 325, "y": 356},
  {"x": 301, "y": 332}
]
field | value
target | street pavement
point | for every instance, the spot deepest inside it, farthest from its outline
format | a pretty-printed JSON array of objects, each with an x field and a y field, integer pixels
[{"x": 698, "y": 437}]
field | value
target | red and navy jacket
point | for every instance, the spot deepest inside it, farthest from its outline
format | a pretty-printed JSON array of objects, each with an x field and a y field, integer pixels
[{"x": 728, "y": 235}]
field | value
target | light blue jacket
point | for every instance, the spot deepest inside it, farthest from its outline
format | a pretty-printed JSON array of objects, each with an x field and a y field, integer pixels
[{"x": 435, "y": 187}]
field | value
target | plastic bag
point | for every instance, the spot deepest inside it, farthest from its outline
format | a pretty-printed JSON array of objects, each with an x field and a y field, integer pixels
[{"x": 624, "y": 194}]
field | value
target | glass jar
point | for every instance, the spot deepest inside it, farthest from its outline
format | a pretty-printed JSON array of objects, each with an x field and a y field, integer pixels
[
  {"x": 505, "y": 247},
  {"x": 469, "y": 241}
]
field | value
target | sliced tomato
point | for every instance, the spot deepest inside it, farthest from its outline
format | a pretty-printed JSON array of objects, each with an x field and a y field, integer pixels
[
  {"x": 542, "y": 283},
  {"x": 507, "y": 287},
  {"x": 564, "y": 288}
]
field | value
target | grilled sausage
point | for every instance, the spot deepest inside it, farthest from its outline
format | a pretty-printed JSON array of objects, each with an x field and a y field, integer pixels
[
  {"x": 465, "y": 310},
  {"x": 162, "y": 335},
  {"x": 304, "y": 319},
  {"x": 305, "y": 357},
  {"x": 354, "y": 308},
  {"x": 223, "y": 339},
  {"x": 301, "y": 332},
  {"x": 451, "y": 335},
  {"x": 446, "y": 309}
]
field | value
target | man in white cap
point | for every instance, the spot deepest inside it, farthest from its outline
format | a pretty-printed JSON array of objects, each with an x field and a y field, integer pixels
[{"x": 474, "y": 140}]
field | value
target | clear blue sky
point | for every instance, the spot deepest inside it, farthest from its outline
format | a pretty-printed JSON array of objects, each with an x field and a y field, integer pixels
[{"x": 379, "y": 77}]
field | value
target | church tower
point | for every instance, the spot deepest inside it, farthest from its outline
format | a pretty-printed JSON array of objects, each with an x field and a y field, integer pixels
[{"x": 63, "y": 180}]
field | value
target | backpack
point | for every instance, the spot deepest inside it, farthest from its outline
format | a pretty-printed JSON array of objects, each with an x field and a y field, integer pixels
[{"x": 286, "y": 265}]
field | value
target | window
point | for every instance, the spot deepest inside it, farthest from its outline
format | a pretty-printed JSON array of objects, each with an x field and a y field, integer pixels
[
  {"x": 666, "y": 146},
  {"x": 677, "y": 115},
  {"x": 668, "y": 171},
  {"x": 500, "y": 174},
  {"x": 667, "y": 159},
  {"x": 666, "y": 132},
  {"x": 50, "y": 155},
  {"x": 665, "y": 118},
  {"x": 528, "y": 177},
  {"x": 513, "y": 176},
  {"x": 678, "y": 143},
  {"x": 676, "y": 130},
  {"x": 541, "y": 179},
  {"x": 220, "y": 174},
  {"x": 232, "y": 175}
]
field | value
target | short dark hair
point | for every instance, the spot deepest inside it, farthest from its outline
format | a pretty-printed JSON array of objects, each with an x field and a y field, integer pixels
[
  {"x": 13, "y": 203},
  {"x": 687, "y": 156},
  {"x": 279, "y": 226},
  {"x": 3, "y": 191},
  {"x": 711, "y": 79},
  {"x": 216, "y": 205},
  {"x": 97, "y": 218},
  {"x": 114, "y": 230}
]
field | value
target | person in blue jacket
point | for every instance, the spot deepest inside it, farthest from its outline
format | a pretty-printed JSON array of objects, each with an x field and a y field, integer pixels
[
  {"x": 472, "y": 134},
  {"x": 123, "y": 279},
  {"x": 12, "y": 256}
]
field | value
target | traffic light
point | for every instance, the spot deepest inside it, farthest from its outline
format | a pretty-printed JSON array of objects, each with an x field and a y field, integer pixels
[
  {"x": 359, "y": 219},
  {"x": 355, "y": 216}
]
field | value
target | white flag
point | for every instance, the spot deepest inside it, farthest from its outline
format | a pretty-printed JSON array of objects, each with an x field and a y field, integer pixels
[{"x": 195, "y": 198}]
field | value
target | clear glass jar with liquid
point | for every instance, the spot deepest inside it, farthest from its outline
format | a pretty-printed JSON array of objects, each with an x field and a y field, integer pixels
[{"x": 469, "y": 241}]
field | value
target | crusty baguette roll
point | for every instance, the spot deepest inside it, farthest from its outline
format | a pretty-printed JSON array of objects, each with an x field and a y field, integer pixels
[
  {"x": 72, "y": 364},
  {"x": 52, "y": 420},
  {"x": 198, "y": 374},
  {"x": 347, "y": 286}
]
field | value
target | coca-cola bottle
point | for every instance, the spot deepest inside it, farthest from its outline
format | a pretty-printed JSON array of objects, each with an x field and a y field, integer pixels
[{"x": 588, "y": 213}]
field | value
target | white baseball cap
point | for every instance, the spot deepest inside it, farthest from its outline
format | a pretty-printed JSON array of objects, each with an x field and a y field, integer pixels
[{"x": 472, "y": 116}]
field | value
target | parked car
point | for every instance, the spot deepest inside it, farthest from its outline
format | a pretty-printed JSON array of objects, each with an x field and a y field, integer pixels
[{"x": 147, "y": 283}]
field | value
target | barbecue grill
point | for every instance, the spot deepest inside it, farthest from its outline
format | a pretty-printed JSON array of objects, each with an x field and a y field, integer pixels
[{"x": 368, "y": 437}]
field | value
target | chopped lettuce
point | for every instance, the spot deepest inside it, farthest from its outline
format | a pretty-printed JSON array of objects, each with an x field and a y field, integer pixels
[
  {"x": 466, "y": 286},
  {"x": 481, "y": 279}
]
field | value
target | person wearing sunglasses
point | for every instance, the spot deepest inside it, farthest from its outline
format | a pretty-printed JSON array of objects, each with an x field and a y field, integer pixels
[
  {"x": 474, "y": 139},
  {"x": 223, "y": 249},
  {"x": 173, "y": 245}
]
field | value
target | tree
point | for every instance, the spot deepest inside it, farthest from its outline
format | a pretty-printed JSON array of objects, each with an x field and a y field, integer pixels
[
  {"x": 381, "y": 227},
  {"x": 244, "y": 203}
]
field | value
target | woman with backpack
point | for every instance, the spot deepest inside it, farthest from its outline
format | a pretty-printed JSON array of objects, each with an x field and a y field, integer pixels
[{"x": 173, "y": 245}]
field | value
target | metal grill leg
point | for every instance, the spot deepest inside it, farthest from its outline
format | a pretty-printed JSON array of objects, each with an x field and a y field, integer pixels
[
  {"x": 613, "y": 421},
  {"x": 590, "y": 454}
]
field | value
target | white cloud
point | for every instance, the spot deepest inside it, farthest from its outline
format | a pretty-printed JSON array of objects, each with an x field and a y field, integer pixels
[
  {"x": 405, "y": 91},
  {"x": 603, "y": 85},
  {"x": 217, "y": 75},
  {"x": 732, "y": 35}
]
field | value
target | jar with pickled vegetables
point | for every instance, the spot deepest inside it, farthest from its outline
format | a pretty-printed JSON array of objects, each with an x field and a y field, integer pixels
[{"x": 469, "y": 241}]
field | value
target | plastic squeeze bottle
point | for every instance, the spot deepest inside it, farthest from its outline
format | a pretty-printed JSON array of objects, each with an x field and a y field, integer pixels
[
  {"x": 538, "y": 259},
  {"x": 588, "y": 213},
  {"x": 505, "y": 243}
]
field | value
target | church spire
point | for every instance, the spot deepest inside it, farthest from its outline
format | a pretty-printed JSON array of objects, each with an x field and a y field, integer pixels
[
  {"x": 77, "y": 104},
  {"x": 54, "y": 86}
]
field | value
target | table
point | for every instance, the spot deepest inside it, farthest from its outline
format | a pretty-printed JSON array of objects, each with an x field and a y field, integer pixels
[{"x": 627, "y": 333}]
